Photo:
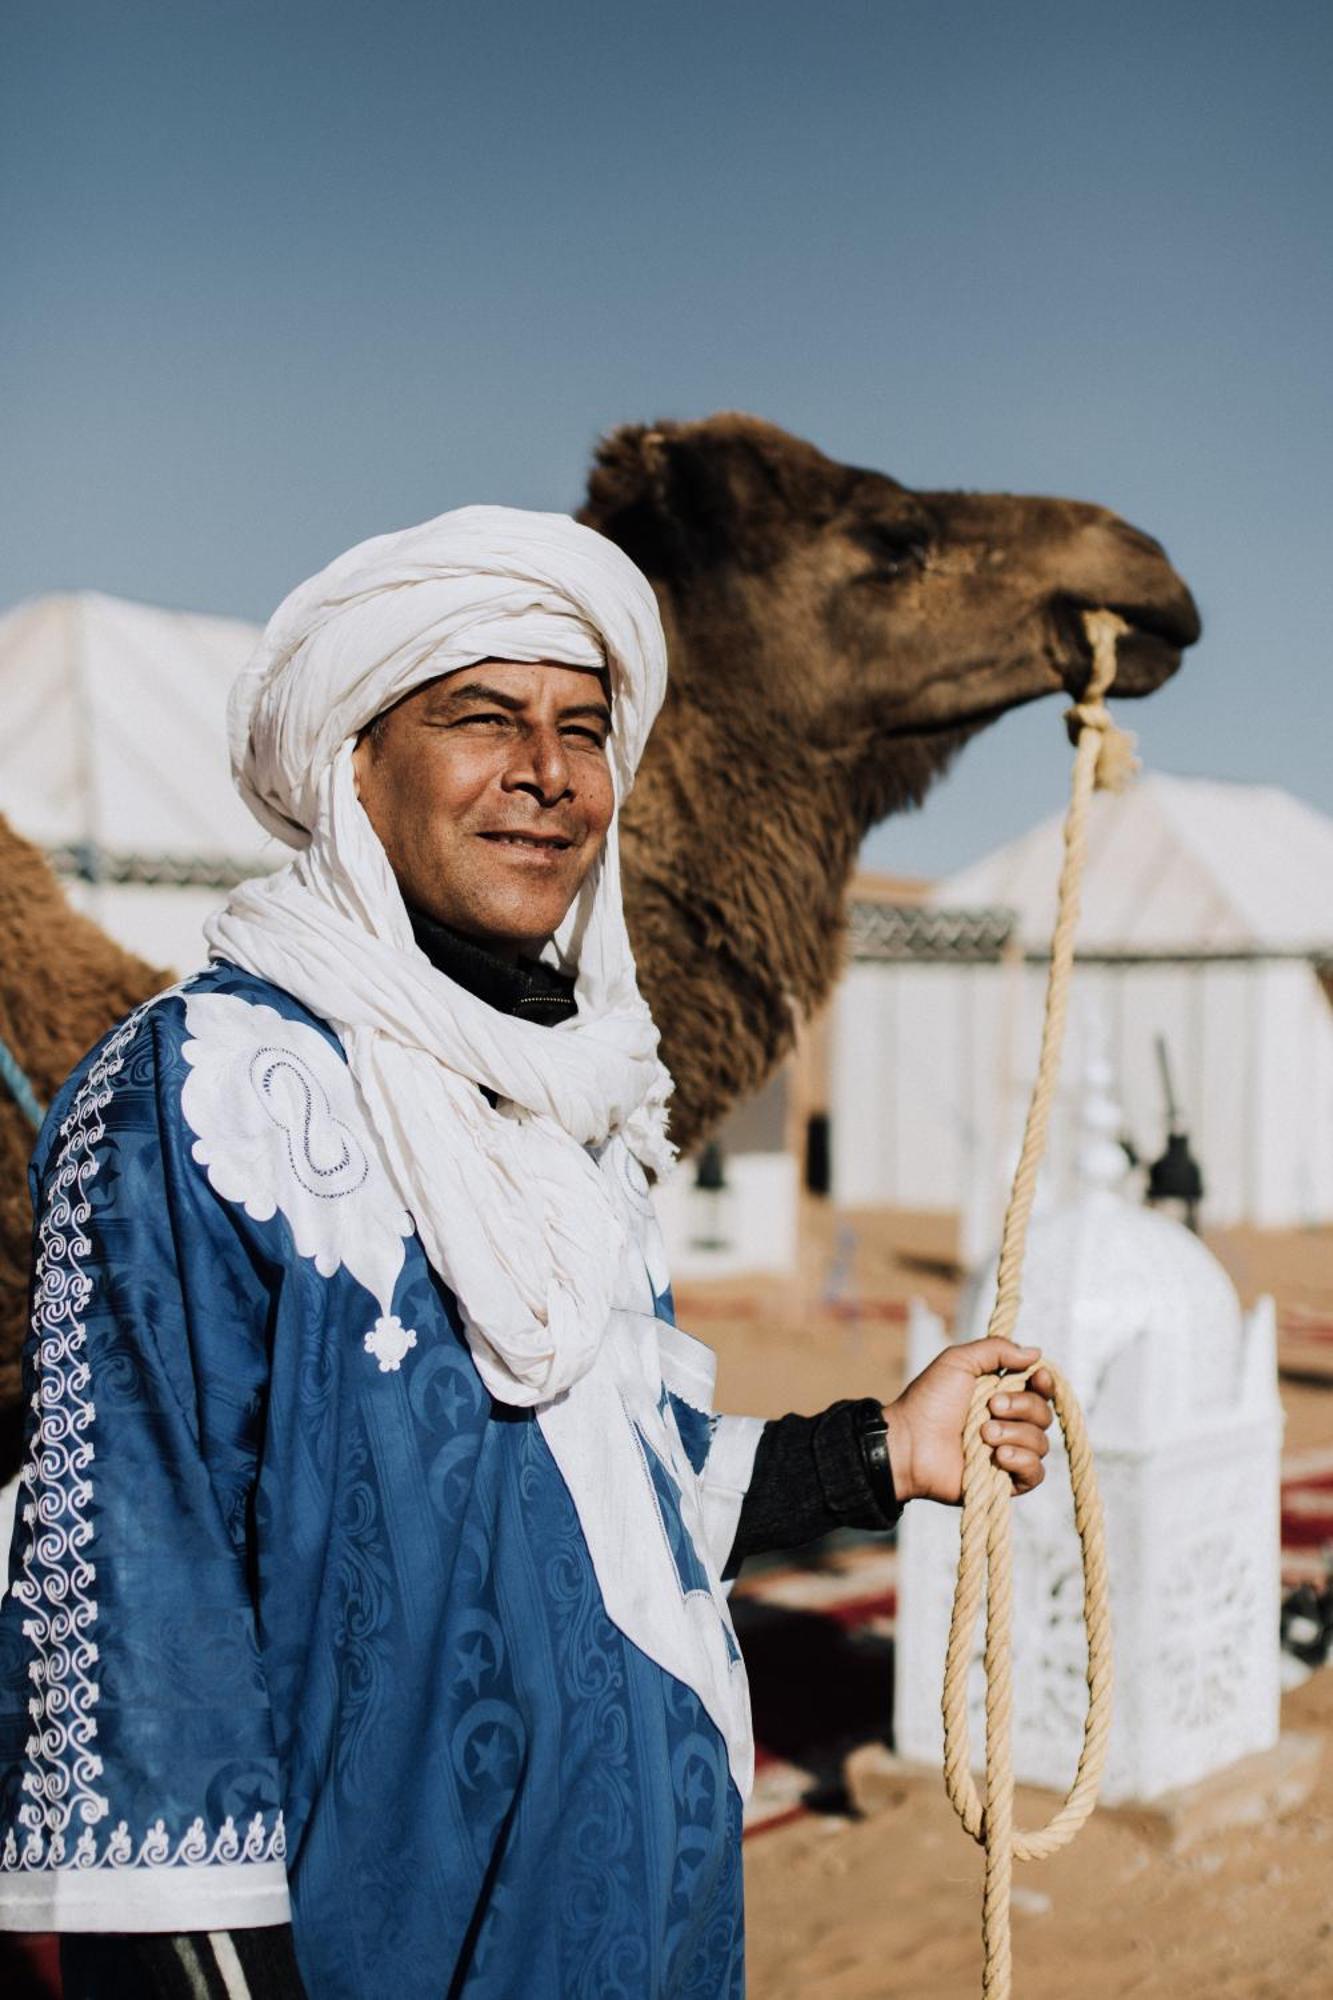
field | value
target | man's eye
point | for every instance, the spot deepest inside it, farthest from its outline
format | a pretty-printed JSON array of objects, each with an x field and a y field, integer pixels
[{"x": 597, "y": 737}]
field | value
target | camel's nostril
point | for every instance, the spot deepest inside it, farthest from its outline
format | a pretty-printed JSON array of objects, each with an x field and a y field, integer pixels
[
  {"x": 1115, "y": 564},
  {"x": 1144, "y": 545}
]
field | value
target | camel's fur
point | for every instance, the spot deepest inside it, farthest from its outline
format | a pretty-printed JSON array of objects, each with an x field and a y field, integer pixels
[
  {"x": 834, "y": 639},
  {"x": 64, "y": 982}
]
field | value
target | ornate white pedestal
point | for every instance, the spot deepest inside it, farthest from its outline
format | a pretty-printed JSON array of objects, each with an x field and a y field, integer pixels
[{"x": 1180, "y": 1393}]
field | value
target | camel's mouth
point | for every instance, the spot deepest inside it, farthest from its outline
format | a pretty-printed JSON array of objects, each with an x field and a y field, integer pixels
[{"x": 1146, "y": 657}]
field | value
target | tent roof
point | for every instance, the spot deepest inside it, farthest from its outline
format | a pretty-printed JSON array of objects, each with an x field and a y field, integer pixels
[
  {"x": 113, "y": 728},
  {"x": 1174, "y": 864}
]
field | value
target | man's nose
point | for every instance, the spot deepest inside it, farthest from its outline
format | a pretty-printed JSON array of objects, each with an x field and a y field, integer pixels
[{"x": 541, "y": 766}]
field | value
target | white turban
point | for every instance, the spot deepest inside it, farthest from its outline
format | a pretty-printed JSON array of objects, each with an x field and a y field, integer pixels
[
  {"x": 510, "y": 1206},
  {"x": 482, "y": 583}
]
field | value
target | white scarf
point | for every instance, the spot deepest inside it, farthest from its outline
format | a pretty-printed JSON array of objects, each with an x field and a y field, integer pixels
[{"x": 510, "y": 1207}]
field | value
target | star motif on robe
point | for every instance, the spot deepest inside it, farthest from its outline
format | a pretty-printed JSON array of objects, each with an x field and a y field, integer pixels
[
  {"x": 696, "y": 1787},
  {"x": 475, "y": 1661},
  {"x": 491, "y": 1758},
  {"x": 687, "y": 1875},
  {"x": 452, "y": 1400}
]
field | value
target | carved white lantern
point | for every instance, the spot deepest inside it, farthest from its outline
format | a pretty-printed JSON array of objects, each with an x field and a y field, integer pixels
[{"x": 1179, "y": 1389}]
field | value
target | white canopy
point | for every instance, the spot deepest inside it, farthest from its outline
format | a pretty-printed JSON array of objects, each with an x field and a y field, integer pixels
[
  {"x": 1207, "y": 911},
  {"x": 113, "y": 729},
  {"x": 113, "y": 753},
  {"x": 1174, "y": 865}
]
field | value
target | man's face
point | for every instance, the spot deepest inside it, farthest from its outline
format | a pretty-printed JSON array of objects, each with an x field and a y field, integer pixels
[{"x": 491, "y": 794}]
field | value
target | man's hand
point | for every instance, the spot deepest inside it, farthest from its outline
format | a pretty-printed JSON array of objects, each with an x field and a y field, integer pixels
[{"x": 926, "y": 1422}]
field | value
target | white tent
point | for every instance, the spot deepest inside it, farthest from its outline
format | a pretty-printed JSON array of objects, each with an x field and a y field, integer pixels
[
  {"x": 113, "y": 757},
  {"x": 1174, "y": 865},
  {"x": 1207, "y": 920}
]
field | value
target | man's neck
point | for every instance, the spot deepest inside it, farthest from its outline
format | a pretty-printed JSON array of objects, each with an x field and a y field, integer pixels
[{"x": 521, "y": 986}]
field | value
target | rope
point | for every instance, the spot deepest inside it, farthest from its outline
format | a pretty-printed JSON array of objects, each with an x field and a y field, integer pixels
[
  {"x": 1103, "y": 759},
  {"x": 15, "y": 1080}
]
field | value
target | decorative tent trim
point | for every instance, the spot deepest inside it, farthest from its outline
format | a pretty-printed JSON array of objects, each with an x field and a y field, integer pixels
[
  {"x": 914, "y": 934},
  {"x": 84, "y": 861},
  {"x": 889, "y": 933}
]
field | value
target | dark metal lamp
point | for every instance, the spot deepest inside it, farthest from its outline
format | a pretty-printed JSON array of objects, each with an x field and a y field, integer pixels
[{"x": 1176, "y": 1179}]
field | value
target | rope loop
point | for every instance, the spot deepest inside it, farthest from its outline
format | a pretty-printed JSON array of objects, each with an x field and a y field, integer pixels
[
  {"x": 988, "y": 1491},
  {"x": 1103, "y": 758}
]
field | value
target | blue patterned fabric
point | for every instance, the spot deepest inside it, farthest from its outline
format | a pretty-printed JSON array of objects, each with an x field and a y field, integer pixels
[
  {"x": 690, "y": 1571},
  {"x": 695, "y": 1429},
  {"x": 329, "y": 1611}
]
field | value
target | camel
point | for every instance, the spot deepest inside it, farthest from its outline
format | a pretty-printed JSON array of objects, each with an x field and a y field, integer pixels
[{"x": 834, "y": 637}]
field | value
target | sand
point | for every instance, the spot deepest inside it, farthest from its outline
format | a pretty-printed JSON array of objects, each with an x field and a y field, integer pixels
[{"x": 888, "y": 1907}]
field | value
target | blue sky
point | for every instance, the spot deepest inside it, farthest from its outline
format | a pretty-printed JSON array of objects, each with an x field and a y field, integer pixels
[{"x": 274, "y": 277}]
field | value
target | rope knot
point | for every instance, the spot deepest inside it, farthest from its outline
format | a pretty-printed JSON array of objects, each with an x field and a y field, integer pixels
[
  {"x": 1116, "y": 762},
  {"x": 1086, "y": 715}
]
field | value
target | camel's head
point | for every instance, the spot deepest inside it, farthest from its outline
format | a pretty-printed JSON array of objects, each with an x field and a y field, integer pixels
[{"x": 887, "y": 624}]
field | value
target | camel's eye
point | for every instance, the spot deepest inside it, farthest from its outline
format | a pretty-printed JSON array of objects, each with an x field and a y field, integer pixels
[{"x": 894, "y": 547}]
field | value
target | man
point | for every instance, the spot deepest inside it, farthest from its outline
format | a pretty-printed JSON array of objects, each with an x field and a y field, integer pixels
[{"x": 367, "y": 1629}]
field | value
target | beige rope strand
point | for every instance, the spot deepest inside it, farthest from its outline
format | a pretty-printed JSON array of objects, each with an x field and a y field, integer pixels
[{"x": 1103, "y": 758}]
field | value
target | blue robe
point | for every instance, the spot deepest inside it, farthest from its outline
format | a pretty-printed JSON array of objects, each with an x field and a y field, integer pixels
[{"x": 288, "y": 1628}]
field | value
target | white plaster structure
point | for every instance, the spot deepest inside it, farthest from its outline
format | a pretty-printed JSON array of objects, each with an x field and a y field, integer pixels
[
  {"x": 1179, "y": 1389},
  {"x": 752, "y": 1225}
]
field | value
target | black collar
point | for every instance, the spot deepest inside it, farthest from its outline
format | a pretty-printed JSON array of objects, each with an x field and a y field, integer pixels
[{"x": 525, "y": 988}]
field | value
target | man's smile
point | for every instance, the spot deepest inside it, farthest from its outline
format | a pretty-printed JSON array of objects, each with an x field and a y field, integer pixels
[{"x": 540, "y": 843}]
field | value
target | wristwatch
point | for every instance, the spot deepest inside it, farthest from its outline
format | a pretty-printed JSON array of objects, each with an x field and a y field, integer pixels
[{"x": 872, "y": 1438}]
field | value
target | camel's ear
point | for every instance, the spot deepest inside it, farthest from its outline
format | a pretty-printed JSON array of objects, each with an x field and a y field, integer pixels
[{"x": 679, "y": 498}]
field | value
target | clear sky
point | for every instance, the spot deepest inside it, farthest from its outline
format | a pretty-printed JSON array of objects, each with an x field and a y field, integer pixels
[{"x": 277, "y": 276}]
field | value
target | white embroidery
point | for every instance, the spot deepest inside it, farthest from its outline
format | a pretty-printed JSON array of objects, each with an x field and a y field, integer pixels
[
  {"x": 192, "y": 1850},
  {"x": 278, "y": 1126},
  {"x": 389, "y": 1340},
  {"x": 57, "y": 1578}
]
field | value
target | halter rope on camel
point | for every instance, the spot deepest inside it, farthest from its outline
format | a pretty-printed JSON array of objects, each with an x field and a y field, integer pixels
[
  {"x": 15, "y": 1080},
  {"x": 1103, "y": 759}
]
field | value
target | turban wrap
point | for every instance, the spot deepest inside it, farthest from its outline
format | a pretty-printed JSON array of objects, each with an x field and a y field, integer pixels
[{"x": 509, "y": 1200}]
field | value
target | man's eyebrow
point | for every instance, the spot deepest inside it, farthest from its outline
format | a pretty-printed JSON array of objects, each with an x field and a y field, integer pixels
[{"x": 477, "y": 691}]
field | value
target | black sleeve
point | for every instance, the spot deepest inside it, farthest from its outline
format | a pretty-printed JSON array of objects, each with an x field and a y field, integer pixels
[
  {"x": 159, "y": 1965},
  {"x": 811, "y": 1475}
]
